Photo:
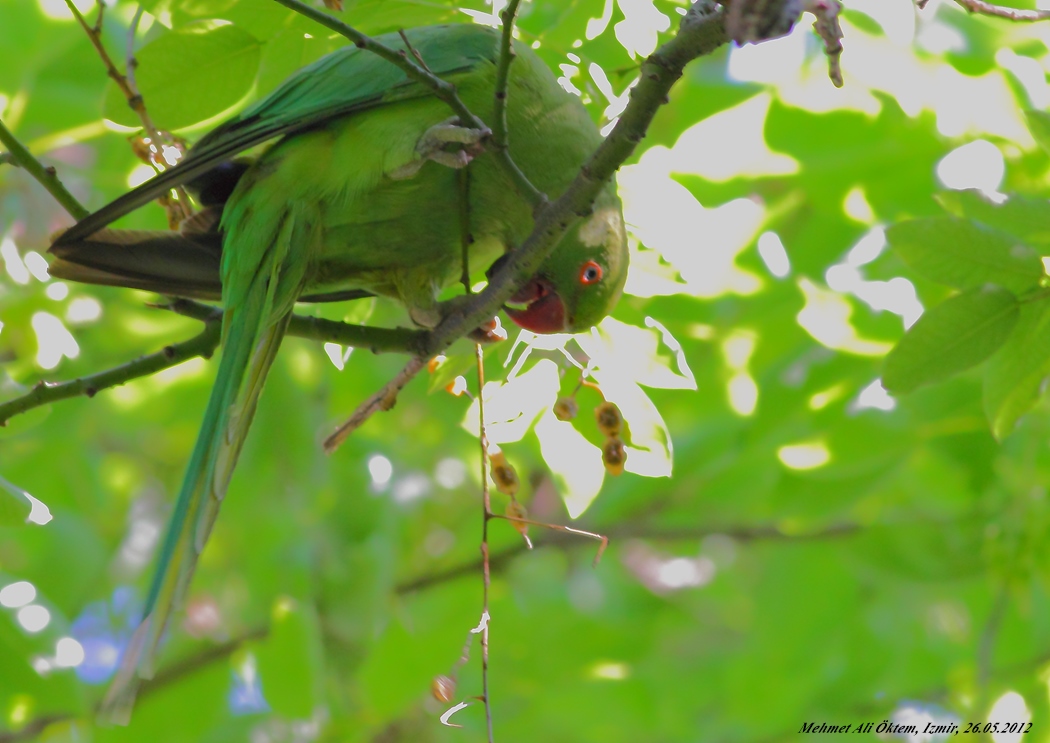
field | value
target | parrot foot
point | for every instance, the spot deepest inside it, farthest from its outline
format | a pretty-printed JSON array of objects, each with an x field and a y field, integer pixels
[
  {"x": 431, "y": 146},
  {"x": 430, "y": 317}
]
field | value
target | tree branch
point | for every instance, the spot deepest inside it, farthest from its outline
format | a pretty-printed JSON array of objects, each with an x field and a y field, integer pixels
[
  {"x": 377, "y": 340},
  {"x": 152, "y": 150},
  {"x": 998, "y": 11},
  {"x": 95, "y": 36},
  {"x": 384, "y": 399},
  {"x": 130, "y": 62},
  {"x": 44, "y": 392},
  {"x": 486, "y": 517},
  {"x": 500, "y": 151},
  {"x": 45, "y": 175}
]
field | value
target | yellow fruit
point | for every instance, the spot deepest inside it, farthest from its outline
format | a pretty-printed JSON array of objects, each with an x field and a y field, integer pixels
[
  {"x": 614, "y": 455},
  {"x": 566, "y": 408},
  {"x": 503, "y": 474},
  {"x": 443, "y": 688},
  {"x": 609, "y": 419}
]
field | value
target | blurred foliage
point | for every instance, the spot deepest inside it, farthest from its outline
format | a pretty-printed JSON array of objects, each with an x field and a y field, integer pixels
[{"x": 822, "y": 553}]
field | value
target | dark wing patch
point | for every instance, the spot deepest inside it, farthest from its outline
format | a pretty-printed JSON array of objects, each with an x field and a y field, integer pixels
[{"x": 184, "y": 265}]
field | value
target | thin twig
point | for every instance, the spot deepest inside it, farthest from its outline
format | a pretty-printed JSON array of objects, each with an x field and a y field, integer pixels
[
  {"x": 486, "y": 515},
  {"x": 506, "y": 58},
  {"x": 998, "y": 11},
  {"x": 130, "y": 63},
  {"x": 415, "y": 52},
  {"x": 500, "y": 151},
  {"x": 95, "y": 37},
  {"x": 46, "y": 176},
  {"x": 384, "y": 399},
  {"x": 445, "y": 91},
  {"x": 466, "y": 238},
  {"x": 177, "y": 208},
  {"x": 44, "y": 393},
  {"x": 377, "y": 340},
  {"x": 601, "y": 538}
]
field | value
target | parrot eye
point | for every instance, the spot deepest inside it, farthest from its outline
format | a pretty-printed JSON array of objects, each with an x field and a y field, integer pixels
[{"x": 591, "y": 273}]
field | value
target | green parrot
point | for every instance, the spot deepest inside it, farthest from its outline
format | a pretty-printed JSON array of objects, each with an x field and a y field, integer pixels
[{"x": 358, "y": 195}]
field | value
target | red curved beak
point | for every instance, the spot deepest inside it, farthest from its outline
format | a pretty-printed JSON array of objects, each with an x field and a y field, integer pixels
[{"x": 544, "y": 312}]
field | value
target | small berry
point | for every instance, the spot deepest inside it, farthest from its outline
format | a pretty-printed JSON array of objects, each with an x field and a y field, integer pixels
[
  {"x": 443, "y": 688},
  {"x": 614, "y": 455},
  {"x": 566, "y": 408},
  {"x": 609, "y": 419},
  {"x": 515, "y": 510},
  {"x": 503, "y": 474}
]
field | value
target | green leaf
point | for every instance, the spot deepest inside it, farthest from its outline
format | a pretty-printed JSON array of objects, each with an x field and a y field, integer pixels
[
  {"x": 1014, "y": 377},
  {"x": 955, "y": 335},
  {"x": 963, "y": 254},
  {"x": 1025, "y": 218},
  {"x": 1039, "y": 125},
  {"x": 189, "y": 75}
]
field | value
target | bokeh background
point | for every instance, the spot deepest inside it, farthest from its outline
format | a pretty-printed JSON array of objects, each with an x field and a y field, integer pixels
[{"x": 790, "y": 543}]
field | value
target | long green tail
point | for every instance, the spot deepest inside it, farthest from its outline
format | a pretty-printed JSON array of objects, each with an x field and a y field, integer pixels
[
  {"x": 259, "y": 298},
  {"x": 246, "y": 359}
]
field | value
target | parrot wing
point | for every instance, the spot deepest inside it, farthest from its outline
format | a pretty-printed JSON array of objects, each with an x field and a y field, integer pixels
[{"x": 344, "y": 82}]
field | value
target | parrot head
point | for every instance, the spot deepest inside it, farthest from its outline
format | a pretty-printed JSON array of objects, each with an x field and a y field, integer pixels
[{"x": 581, "y": 281}]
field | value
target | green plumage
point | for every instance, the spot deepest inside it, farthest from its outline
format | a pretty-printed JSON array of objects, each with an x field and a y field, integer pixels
[{"x": 346, "y": 203}]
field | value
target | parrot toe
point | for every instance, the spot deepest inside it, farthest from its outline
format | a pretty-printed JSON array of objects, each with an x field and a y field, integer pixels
[
  {"x": 429, "y": 317},
  {"x": 435, "y": 145}
]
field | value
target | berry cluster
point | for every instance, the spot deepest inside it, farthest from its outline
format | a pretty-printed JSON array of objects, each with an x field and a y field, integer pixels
[{"x": 610, "y": 423}]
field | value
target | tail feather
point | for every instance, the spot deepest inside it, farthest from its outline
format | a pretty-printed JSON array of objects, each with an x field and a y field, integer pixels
[
  {"x": 201, "y": 495},
  {"x": 258, "y": 302},
  {"x": 183, "y": 264},
  {"x": 227, "y": 420}
]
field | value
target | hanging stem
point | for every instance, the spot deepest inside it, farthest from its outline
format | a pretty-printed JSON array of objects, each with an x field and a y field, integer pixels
[{"x": 486, "y": 516}]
